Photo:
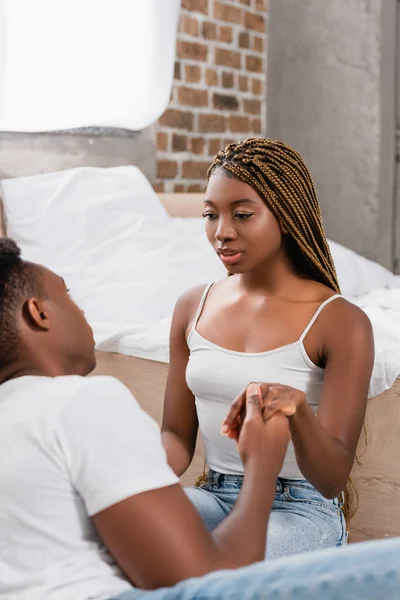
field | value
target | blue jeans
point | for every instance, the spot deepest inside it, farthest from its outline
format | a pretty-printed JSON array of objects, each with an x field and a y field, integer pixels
[
  {"x": 370, "y": 571},
  {"x": 301, "y": 518}
]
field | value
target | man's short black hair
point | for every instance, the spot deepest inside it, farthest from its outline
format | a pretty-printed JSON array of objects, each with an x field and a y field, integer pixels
[{"x": 19, "y": 280}]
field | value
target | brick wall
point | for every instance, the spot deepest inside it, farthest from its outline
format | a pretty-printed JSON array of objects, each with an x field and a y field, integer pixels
[{"x": 219, "y": 90}]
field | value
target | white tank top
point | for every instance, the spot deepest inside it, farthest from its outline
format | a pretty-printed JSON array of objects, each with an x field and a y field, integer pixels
[{"x": 216, "y": 376}]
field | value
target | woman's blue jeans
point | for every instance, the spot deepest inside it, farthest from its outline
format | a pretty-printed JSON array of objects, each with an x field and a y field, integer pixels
[{"x": 301, "y": 518}]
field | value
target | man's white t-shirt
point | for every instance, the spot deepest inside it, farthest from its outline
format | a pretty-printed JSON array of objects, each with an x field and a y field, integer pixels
[{"x": 69, "y": 448}]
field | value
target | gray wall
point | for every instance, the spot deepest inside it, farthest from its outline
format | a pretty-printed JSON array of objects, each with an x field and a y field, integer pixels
[
  {"x": 32, "y": 153},
  {"x": 331, "y": 95}
]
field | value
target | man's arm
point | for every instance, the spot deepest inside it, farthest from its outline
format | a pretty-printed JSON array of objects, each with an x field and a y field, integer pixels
[{"x": 158, "y": 538}]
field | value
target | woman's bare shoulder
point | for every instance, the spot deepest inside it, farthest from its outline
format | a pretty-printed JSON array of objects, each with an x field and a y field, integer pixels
[
  {"x": 345, "y": 321},
  {"x": 191, "y": 298}
]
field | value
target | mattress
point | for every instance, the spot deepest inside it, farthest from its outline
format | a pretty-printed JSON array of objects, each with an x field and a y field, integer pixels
[{"x": 126, "y": 259}]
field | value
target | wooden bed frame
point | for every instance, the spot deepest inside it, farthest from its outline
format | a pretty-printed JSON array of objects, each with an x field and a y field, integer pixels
[{"x": 376, "y": 474}]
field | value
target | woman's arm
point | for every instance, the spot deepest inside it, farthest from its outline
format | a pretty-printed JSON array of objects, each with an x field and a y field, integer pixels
[
  {"x": 179, "y": 424},
  {"x": 325, "y": 445}
]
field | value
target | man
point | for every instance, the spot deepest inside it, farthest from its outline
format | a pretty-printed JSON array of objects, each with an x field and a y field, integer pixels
[{"x": 90, "y": 509}]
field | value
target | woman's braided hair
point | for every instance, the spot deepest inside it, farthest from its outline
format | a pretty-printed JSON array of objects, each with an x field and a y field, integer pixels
[{"x": 279, "y": 175}]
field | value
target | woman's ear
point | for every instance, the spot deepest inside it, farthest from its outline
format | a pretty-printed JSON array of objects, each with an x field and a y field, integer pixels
[
  {"x": 284, "y": 230},
  {"x": 37, "y": 314}
]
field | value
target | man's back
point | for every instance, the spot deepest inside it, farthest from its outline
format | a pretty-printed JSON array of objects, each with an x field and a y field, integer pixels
[{"x": 66, "y": 451}]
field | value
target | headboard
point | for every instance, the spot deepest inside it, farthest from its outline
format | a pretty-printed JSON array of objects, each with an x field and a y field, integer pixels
[{"x": 23, "y": 154}]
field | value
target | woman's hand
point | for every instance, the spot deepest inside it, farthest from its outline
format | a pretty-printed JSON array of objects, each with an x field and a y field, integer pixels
[
  {"x": 274, "y": 397},
  {"x": 282, "y": 399}
]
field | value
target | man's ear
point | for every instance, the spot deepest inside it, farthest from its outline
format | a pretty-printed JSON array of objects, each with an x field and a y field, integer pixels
[{"x": 37, "y": 314}]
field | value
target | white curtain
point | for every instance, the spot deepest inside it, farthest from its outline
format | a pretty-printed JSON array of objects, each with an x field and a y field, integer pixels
[{"x": 76, "y": 63}]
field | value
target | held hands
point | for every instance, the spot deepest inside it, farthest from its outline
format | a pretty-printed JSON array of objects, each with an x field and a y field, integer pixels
[
  {"x": 274, "y": 399},
  {"x": 257, "y": 433}
]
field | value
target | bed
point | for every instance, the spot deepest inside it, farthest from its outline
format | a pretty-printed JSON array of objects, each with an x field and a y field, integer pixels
[{"x": 376, "y": 473}]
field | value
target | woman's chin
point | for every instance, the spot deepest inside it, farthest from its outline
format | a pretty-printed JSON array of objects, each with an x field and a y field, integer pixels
[{"x": 236, "y": 269}]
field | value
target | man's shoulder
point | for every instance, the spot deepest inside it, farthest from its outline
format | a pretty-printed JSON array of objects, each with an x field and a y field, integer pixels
[
  {"x": 96, "y": 386},
  {"x": 92, "y": 380},
  {"x": 79, "y": 393},
  {"x": 73, "y": 383}
]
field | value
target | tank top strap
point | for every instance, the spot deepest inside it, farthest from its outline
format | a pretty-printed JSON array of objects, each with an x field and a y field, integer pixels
[
  {"x": 201, "y": 305},
  {"x": 317, "y": 313}
]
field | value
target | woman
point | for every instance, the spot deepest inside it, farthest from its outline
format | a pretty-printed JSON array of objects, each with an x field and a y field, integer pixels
[{"x": 279, "y": 319}]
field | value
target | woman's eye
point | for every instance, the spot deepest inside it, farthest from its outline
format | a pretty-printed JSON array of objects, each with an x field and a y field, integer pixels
[
  {"x": 209, "y": 216},
  {"x": 243, "y": 216}
]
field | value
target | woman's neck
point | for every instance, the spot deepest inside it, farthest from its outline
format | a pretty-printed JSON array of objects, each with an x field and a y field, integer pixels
[{"x": 275, "y": 277}]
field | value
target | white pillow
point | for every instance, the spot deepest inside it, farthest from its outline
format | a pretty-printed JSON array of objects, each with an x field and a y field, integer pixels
[{"x": 53, "y": 208}]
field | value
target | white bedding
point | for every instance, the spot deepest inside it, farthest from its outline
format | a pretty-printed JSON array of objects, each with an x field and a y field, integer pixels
[{"x": 126, "y": 261}]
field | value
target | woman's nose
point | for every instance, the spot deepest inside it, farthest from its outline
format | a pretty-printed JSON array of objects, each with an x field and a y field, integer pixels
[{"x": 225, "y": 231}]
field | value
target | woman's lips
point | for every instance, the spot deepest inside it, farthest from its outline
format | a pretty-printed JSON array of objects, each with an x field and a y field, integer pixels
[{"x": 229, "y": 257}]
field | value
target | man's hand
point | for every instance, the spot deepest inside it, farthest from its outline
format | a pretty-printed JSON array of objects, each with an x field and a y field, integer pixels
[{"x": 256, "y": 435}]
